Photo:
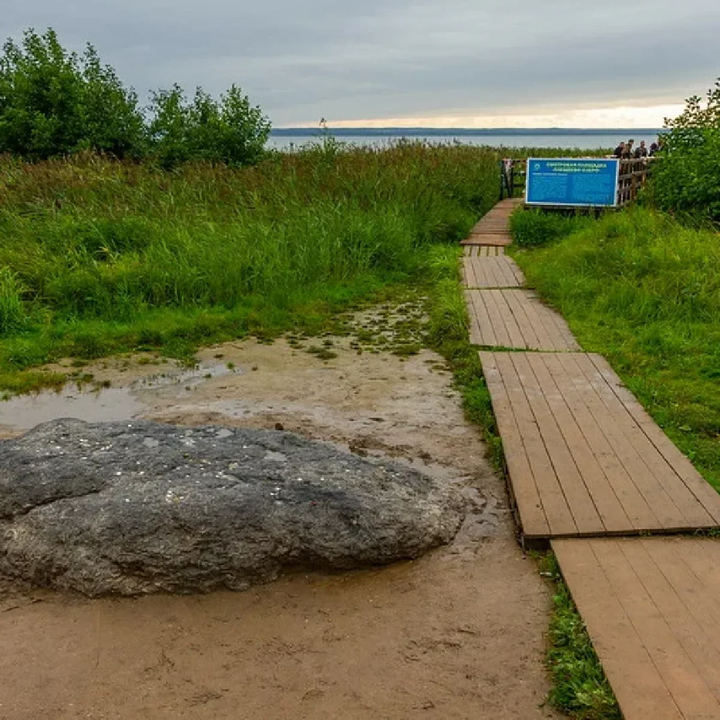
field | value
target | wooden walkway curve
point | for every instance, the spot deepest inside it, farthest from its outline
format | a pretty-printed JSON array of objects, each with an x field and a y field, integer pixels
[{"x": 590, "y": 473}]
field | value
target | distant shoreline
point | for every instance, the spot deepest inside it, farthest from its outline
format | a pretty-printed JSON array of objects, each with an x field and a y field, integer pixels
[{"x": 460, "y": 132}]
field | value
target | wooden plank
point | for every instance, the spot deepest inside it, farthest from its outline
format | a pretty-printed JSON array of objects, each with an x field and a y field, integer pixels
[
  {"x": 469, "y": 274},
  {"x": 684, "y": 469},
  {"x": 493, "y": 239},
  {"x": 495, "y": 315},
  {"x": 636, "y": 508},
  {"x": 509, "y": 273},
  {"x": 584, "y": 448},
  {"x": 690, "y": 511},
  {"x": 481, "y": 330},
  {"x": 609, "y": 508},
  {"x": 578, "y": 366},
  {"x": 559, "y": 517},
  {"x": 579, "y": 499},
  {"x": 647, "y": 577},
  {"x": 522, "y": 485},
  {"x": 516, "y": 318},
  {"x": 692, "y": 566},
  {"x": 528, "y": 329},
  {"x": 638, "y": 686},
  {"x": 551, "y": 327},
  {"x": 663, "y": 576}
]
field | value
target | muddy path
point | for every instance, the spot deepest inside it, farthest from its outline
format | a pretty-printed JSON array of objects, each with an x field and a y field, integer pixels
[{"x": 459, "y": 633}]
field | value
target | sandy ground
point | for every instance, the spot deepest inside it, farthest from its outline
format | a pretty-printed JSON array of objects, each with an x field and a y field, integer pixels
[{"x": 459, "y": 633}]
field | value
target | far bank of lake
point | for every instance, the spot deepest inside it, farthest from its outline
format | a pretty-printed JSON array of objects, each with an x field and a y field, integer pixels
[{"x": 574, "y": 138}]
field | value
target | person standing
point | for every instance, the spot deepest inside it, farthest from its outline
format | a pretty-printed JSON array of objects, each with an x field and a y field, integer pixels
[
  {"x": 619, "y": 150},
  {"x": 642, "y": 151}
]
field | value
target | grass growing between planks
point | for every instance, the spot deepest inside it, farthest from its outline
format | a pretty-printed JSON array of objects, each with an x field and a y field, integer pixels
[
  {"x": 448, "y": 335},
  {"x": 580, "y": 686},
  {"x": 644, "y": 290}
]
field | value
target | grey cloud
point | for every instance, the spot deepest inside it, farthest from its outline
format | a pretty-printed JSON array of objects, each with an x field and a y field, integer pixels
[{"x": 304, "y": 60}]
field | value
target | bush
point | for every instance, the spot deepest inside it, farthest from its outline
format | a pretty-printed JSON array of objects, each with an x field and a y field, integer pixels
[
  {"x": 230, "y": 131},
  {"x": 53, "y": 102},
  {"x": 531, "y": 228},
  {"x": 686, "y": 178}
]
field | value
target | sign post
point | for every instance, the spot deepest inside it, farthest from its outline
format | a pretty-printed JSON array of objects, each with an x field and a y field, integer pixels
[{"x": 572, "y": 182}]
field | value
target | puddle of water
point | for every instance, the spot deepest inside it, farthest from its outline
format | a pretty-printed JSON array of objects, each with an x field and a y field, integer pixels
[
  {"x": 107, "y": 404},
  {"x": 27, "y": 411},
  {"x": 190, "y": 378}
]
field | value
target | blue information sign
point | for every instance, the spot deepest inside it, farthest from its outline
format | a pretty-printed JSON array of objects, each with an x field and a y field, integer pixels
[{"x": 573, "y": 182}]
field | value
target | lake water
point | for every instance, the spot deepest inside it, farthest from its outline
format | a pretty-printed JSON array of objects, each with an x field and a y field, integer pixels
[{"x": 572, "y": 139}]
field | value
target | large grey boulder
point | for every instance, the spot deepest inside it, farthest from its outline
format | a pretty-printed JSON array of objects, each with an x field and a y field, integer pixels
[{"x": 141, "y": 507}]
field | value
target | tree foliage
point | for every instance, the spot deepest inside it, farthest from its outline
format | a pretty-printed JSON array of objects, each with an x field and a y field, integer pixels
[
  {"x": 230, "y": 131},
  {"x": 687, "y": 177},
  {"x": 55, "y": 103}
]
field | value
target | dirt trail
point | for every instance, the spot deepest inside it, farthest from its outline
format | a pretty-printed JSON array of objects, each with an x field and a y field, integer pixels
[{"x": 458, "y": 633}]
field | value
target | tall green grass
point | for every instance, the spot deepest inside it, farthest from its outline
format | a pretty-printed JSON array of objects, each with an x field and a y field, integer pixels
[
  {"x": 644, "y": 290},
  {"x": 98, "y": 256}
]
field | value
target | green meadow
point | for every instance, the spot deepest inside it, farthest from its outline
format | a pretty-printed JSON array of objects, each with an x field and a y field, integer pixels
[{"x": 99, "y": 256}]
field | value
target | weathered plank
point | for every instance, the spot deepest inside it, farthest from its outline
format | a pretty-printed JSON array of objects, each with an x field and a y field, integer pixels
[
  {"x": 483, "y": 250},
  {"x": 487, "y": 239},
  {"x": 613, "y": 478},
  {"x": 515, "y": 318},
  {"x": 652, "y": 611}
]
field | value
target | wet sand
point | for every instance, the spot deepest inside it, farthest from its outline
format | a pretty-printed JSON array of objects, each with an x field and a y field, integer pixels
[{"x": 458, "y": 633}]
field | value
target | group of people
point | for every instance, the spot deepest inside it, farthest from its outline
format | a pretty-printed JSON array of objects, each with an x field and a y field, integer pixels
[{"x": 626, "y": 151}]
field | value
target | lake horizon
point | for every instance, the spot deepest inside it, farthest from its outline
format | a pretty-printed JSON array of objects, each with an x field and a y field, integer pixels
[{"x": 294, "y": 138}]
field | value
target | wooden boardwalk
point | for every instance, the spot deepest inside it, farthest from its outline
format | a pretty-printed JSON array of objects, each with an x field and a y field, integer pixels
[
  {"x": 492, "y": 228},
  {"x": 583, "y": 457},
  {"x": 586, "y": 465},
  {"x": 483, "y": 250},
  {"x": 652, "y": 608},
  {"x": 499, "y": 271},
  {"x": 516, "y": 319}
]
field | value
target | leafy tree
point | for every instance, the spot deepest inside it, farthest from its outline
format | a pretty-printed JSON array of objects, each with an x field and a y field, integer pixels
[
  {"x": 687, "y": 176},
  {"x": 230, "y": 131},
  {"x": 53, "y": 102}
]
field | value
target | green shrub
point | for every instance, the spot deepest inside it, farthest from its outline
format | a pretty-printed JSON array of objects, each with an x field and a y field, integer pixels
[
  {"x": 686, "y": 176},
  {"x": 531, "y": 228},
  {"x": 230, "y": 131},
  {"x": 53, "y": 102}
]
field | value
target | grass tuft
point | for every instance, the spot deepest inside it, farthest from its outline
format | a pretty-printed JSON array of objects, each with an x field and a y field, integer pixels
[{"x": 580, "y": 687}]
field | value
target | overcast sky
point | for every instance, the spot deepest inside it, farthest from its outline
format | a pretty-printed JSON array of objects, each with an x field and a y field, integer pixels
[{"x": 571, "y": 63}]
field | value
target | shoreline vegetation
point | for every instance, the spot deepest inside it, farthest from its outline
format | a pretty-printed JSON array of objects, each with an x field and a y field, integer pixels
[{"x": 100, "y": 256}]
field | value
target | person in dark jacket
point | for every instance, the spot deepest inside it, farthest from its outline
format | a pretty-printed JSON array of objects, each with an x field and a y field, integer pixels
[
  {"x": 642, "y": 151},
  {"x": 619, "y": 150}
]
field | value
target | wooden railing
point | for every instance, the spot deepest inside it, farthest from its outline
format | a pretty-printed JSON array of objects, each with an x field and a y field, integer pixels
[
  {"x": 633, "y": 175},
  {"x": 512, "y": 176}
]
